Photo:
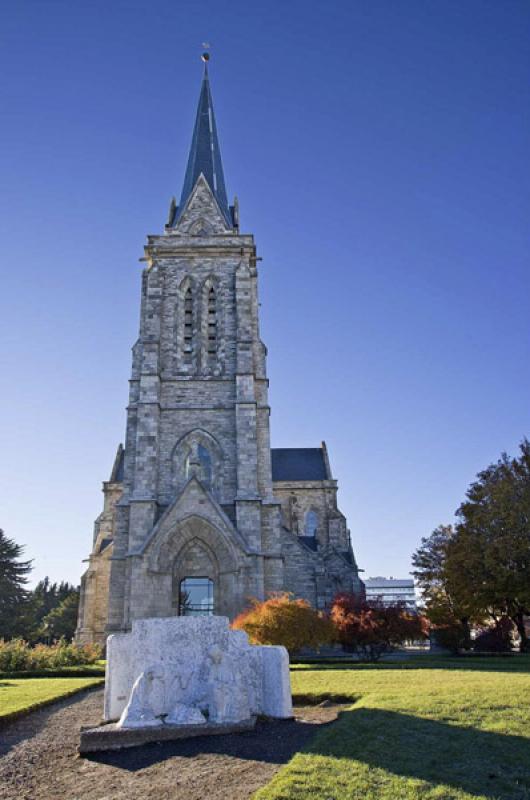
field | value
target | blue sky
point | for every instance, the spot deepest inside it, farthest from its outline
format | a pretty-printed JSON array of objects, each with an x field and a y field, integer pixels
[{"x": 379, "y": 151}]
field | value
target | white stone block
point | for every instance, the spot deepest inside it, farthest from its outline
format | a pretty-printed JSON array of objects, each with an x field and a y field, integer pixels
[
  {"x": 277, "y": 699},
  {"x": 186, "y": 670}
]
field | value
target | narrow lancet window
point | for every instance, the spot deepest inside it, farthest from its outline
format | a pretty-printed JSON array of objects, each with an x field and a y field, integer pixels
[
  {"x": 211, "y": 345},
  {"x": 188, "y": 326}
]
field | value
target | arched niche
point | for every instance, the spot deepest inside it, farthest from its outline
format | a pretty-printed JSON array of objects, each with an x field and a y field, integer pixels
[
  {"x": 198, "y": 454},
  {"x": 195, "y": 547}
]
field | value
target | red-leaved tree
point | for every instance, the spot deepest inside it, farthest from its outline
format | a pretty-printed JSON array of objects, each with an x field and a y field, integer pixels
[{"x": 375, "y": 629}]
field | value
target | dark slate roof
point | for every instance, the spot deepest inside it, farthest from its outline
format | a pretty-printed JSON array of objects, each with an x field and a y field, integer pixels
[
  {"x": 298, "y": 464},
  {"x": 205, "y": 154}
]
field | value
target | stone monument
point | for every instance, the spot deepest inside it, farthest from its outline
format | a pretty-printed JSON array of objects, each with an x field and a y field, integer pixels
[{"x": 187, "y": 676}]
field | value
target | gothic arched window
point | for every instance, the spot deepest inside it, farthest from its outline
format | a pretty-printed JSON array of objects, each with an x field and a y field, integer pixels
[
  {"x": 188, "y": 326},
  {"x": 311, "y": 523},
  {"x": 211, "y": 344}
]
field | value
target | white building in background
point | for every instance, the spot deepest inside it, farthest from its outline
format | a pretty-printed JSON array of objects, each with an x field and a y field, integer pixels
[{"x": 391, "y": 590}]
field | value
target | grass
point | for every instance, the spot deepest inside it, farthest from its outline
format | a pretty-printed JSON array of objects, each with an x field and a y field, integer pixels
[
  {"x": 424, "y": 729},
  {"x": 21, "y": 695}
]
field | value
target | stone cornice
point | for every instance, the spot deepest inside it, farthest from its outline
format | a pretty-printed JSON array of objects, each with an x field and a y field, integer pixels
[
  {"x": 329, "y": 484},
  {"x": 159, "y": 247}
]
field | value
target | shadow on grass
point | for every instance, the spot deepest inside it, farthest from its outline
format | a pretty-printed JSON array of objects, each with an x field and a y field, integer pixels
[
  {"x": 493, "y": 765},
  {"x": 507, "y": 664},
  {"x": 318, "y": 698}
]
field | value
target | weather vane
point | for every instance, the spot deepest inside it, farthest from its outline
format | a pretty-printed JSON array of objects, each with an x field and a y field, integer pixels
[{"x": 206, "y": 55}]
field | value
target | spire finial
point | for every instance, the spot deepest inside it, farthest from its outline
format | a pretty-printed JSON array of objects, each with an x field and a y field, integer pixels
[
  {"x": 205, "y": 55},
  {"x": 205, "y": 154}
]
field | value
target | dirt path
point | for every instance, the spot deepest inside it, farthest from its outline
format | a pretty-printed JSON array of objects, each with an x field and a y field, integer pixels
[{"x": 39, "y": 761}]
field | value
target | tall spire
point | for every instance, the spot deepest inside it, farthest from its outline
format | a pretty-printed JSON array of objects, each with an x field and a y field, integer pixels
[{"x": 205, "y": 154}]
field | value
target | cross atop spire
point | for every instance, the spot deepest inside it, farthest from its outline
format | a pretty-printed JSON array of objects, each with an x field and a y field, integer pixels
[{"x": 205, "y": 154}]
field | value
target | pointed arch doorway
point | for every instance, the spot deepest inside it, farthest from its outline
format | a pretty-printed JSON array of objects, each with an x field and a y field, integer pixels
[
  {"x": 195, "y": 580},
  {"x": 192, "y": 548}
]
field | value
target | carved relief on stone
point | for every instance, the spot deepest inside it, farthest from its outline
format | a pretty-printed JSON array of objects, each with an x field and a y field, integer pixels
[
  {"x": 198, "y": 670},
  {"x": 144, "y": 706}
]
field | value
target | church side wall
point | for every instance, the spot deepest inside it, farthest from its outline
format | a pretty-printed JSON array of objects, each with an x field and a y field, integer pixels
[
  {"x": 300, "y": 497},
  {"x": 300, "y": 568}
]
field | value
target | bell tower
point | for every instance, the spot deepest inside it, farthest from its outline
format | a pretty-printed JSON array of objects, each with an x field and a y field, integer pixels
[
  {"x": 199, "y": 517},
  {"x": 197, "y": 451}
]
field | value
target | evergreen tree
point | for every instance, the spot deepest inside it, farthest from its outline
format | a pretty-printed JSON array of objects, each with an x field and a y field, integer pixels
[
  {"x": 43, "y": 600},
  {"x": 444, "y": 606},
  {"x": 61, "y": 622},
  {"x": 13, "y": 578}
]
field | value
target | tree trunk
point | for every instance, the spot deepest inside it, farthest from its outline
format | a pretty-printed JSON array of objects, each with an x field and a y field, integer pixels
[
  {"x": 467, "y": 633},
  {"x": 524, "y": 646}
]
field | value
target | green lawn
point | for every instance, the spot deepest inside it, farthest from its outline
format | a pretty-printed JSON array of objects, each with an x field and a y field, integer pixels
[
  {"x": 427, "y": 728},
  {"x": 19, "y": 695}
]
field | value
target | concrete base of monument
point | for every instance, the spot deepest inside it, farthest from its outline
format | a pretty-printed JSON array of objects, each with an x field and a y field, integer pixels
[{"x": 111, "y": 737}]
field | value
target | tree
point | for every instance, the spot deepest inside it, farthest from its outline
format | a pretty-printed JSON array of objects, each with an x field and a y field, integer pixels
[
  {"x": 375, "y": 629},
  {"x": 13, "y": 578},
  {"x": 479, "y": 571},
  {"x": 61, "y": 621},
  {"x": 496, "y": 638},
  {"x": 45, "y": 597},
  {"x": 444, "y": 605},
  {"x": 283, "y": 620},
  {"x": 493, "y": 540}
]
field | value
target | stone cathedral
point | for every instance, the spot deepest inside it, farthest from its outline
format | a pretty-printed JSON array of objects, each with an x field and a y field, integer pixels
[{"x": 199, "y": 513}]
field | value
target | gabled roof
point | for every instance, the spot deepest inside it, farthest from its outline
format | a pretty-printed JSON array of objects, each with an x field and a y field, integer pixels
[
  {"x": 205, "y": 154},
  {"x": 299, "y": 464}
]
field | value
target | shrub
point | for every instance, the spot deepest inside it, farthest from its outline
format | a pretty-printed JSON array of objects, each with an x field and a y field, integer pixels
[
  {"x": 17, "y": 655},
  {"x": 451, "y": 636},
  {"x": 283, "y": 620},
  {"x": 372, "y": 630},
  {"x": 497, "y": 638}
]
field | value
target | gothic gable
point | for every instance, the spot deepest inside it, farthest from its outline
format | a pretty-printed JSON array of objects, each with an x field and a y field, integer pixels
[
  {"x": 194, "y": 514},
  {"x": 201, "y": 215}
]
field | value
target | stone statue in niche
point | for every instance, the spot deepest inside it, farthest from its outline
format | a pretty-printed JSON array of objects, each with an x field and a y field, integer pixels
[{"x": 144, "y": 702}]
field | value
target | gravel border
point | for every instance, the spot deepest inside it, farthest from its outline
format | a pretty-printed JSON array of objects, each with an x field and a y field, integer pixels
[{"x": 39, "y": 761}]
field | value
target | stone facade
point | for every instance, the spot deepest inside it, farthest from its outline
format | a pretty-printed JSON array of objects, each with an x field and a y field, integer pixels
[{"x": 192, "y": 493}]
